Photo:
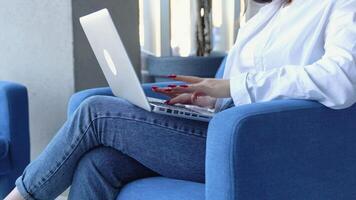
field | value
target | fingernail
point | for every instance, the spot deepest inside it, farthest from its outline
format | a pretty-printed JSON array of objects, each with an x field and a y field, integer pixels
[
  {"x": 154, "y": 87},
  {"x": 167, "y": 102},
  {"x": 172, "y": 86},
  {"x": 172, "y": 76},
  {"x": 184, "y": 86}
]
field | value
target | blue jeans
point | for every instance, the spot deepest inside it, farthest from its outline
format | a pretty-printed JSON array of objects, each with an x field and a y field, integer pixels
[{"x": 146, "y": 144}]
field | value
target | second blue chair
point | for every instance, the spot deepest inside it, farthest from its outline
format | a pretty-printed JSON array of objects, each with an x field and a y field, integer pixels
[{"x": 14, "y": 134}]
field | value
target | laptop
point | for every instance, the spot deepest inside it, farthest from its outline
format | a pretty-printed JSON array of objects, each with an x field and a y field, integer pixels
[{"x": 120, "y": 74}]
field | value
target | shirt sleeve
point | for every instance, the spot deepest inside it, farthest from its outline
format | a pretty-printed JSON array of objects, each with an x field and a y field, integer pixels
[{"x": 331, "y": 80}]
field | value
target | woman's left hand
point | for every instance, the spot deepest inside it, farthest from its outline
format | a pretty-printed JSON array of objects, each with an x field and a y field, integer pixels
[{"x": 215, "y": 88}]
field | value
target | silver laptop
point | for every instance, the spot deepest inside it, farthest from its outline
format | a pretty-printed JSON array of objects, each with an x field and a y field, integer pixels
[{"x": 119, "y": 72}]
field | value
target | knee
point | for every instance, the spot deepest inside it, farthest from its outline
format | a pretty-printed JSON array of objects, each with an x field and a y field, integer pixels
[
  {"x": 105, "y": 105},
  {"x": 99, "y": 101},
  {"x": 97, "y": 105},
  {"x": 89, "y": 108},
  {"x": 93, "y": 102}
]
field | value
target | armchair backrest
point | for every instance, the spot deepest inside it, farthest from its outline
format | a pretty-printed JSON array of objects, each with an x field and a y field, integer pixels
[{"x": 220, "y": 72}]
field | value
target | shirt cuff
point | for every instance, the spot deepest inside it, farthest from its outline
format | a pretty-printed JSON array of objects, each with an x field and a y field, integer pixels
[{"x": 238, "y": 89}]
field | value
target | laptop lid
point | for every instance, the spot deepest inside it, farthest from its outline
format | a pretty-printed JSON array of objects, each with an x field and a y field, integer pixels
[{"x": 112, "y": 57}]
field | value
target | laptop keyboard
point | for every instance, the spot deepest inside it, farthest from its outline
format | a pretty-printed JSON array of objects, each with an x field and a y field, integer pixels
[
  {"x": 175, "y": 107},
  {"x": 181, "y": 111}
]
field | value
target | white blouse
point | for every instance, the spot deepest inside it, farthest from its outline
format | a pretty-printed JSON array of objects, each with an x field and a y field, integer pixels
[
  {"x": 250, "y": 49},
  {"x": 306, "y": 50}
]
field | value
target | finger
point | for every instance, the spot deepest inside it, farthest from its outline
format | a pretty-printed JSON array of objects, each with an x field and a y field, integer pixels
[
  {"x": 172, "y": 86},
  {"x": 188, "y": 79},
  {"x": 182, "y": 99},
  {"x": 195, "y": 96},
  {"x": 187, "y": 89},
  {"x": 162, "y": 89},
  {"x": 167, "y": 92}
]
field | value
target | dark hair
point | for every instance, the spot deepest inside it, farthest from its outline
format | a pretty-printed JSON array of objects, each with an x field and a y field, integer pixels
[
  {"x": 268, "y": 1},
  {"x": 263, "y": 1}
]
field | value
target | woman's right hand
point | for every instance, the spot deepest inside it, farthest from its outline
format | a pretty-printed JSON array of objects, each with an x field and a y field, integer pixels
[{"x": 187, "y": 98}]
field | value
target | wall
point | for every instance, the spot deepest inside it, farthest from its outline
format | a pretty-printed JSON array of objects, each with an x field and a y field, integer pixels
[
  {"x": 40, "y": 48},
  {"x": 36, "y": 50}
]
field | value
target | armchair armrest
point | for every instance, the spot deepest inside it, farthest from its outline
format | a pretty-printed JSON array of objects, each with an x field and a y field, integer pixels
[
  {"x": 288, "y": 149},
  {"x": 14, "y": 125},
  {"x": 4, "y": 147},
  {"x": 79, "y": 97}
]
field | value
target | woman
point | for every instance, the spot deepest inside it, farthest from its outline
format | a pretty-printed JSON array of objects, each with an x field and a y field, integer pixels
[{"x": 299, "y": 49}]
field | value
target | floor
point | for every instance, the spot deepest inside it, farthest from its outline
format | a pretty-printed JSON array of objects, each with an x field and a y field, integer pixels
[{"x": 62, "y": 198}]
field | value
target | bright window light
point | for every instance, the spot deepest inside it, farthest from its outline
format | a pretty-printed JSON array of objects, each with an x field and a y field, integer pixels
[
  {"x": 202, "y": 12},
  {"x": 141, "y": 24},
  {"x": 181, "y": 27},
  {"x": 217, "y": 7}
]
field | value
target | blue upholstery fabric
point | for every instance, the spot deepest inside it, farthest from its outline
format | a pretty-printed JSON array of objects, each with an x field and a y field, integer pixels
[
  {"x": 4, "y": 147},
  {"x": 79, "y": 97},
  {"x": 220, "y": 72},
  {"x": 159, "y": 67},
  {"x": 14, "y": 134},
  {"x": 159, "y": 188},
  {"x": 288, "y": 149}
]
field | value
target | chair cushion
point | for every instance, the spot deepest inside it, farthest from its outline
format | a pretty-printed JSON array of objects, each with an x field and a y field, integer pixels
[{"x": 160, "y": 188}]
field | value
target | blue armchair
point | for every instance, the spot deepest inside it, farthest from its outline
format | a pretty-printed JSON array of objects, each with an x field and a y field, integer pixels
[
  {"x": 288, "y": 149},
  {"x": 14, "y": 134}
]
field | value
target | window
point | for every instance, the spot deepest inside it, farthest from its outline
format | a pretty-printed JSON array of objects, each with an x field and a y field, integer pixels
[
  {"x": 182, "y": 27},
  {"x": 173, "y": 32}
]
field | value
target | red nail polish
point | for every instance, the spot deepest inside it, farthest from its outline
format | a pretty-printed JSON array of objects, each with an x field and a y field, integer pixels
[
  {"x": 184, "y": 86},
  {"x": 154, "y": 87},
  {"x": 172, "y": 86},
  {"x": 172, "y": 76},
  {"x": 167, "y": 102}
]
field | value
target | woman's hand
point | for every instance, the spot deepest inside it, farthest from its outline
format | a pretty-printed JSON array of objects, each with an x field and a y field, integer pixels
[
  {"x": 199, "y": 89},
  {"x": 186, "y": 98},
  {"x": 189, "y": 99}
]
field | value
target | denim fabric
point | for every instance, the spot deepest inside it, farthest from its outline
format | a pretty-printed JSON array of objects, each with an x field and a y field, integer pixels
[
  {"x": 169, "y": 146},
  {"x": 103, "y": 171}
]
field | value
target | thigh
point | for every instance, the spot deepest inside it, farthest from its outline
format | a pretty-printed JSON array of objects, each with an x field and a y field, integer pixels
[{"x": 172, "y": 147}]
